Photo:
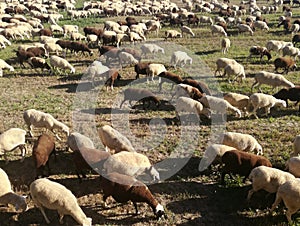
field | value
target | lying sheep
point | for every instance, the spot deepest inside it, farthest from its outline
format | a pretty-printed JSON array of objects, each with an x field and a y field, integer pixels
[
  {"x": 235, "y": 69},
  {"x": 180, "y": 58},
  {"x": 289, "y": 192},
  {"x": 125, "y": 188},
  {"x": 268, "y": 78},
  {"x": 8, "y": 196},
  {"x": 238, "y": 100},
  {"x": 293, "y": 166},
  {"x": 40, "y": 119},
  {"x": 242, "y": 142},
  {"x": 239, "y": 162},
  {"x": 52, "y": 195},
  {"x": 132, "y": 164},
  {"x": 57, "y": 62},
  {"x": 114, "y": 140},
  {"x": 260, "y": 100},
  {"x": 12, "y": 139},
  {"x": 296, "y": 146},
  {"x": 268, "y": 179},
  {"x": 42, "y": 149},
  {"x": 222, "y": 63},
  {"x": 76, "y": 141},
  {"x": 225, "y": 45},
  {"x": 218, "y": 29}
]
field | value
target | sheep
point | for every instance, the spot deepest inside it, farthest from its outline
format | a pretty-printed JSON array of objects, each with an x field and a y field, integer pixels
[
  {"x": 52, "y": 195},
  {"x": 184, "y": 90},
  {"x": 69, "y": 29},
  {"x": 76, "y": 141},
  {"x": 53, "y": 47},
  {"x": 239, "y": 162},
  {"x": 114, "y": 140},
  {"x": 138, "y": 94},
  {"x": 218, "y": 29},
  {"x": 260, "y": 100},
  {"x": 120, "y": 38},
  {"x": 140, "y": 68},
  {"x": 276, "y": 45},
  {"x": 259, "y": 51},
  {"x": 244, "y": 28},
  {"x": 168, "y": 76},
  {"x": 225, "y": 45},
  {"x": 4, "y": 65},
  {"x": 56, "y": 28},
  {"x": 201, "y": 86},
  {"x": 188, "y": 30},
  {"x": 295, "y": 28},
  {"x": 58, "y": 62},
  {"x": 4, "y": 41},
  {"x": 285, "y": 63},
  {"x": 268, "y": 78},
  {"x": 238, "y": 100},
  {"x": 8, "y": 196},
  {"x": 23, "y": 55},
  {"x": 242, "y": 142},
  {"x": 42, "y": 149},
  {"x": 127, "y": 58},
  {"x": 261, "y": 25},
  {"x": 293, "y": 165},
  {"x": 77, "y": 36},
  {"x": 92, "y": 39},
  {"x": 37, "y": 62},
  {"x": 219, "y": 105},
  {"x": 268, "y": 179},
  {"x": 10, "y": 140},
  {"x": 291, "y": 51},
  {"x": 96, "y": 69},
  {"x": 296, "y": 39},
  {"x": 124, "y": 188},
  {"x": 290, "y": 194},
  {"x": 292, "y": 94},
  {"x": 38, "y": 51},
  {"x": 205, "y": 20},
  {"x": 132, "y": 164},
  {"x": 112, "y": 75},
  {"x": 151, "y": 48},
  {"x": 223, "y": 62},
  {"x": 172, "y": 34},
  {"x": 154, "y": 70},
  {"x": 180, "y": 58},
  {"x": 39, "y": 119},
  {"x": 80, "y": 47},
  {"x": 133, "y": 36},
  {"x": 135, "y": 53},
  {"x": 235, "y": 69}
]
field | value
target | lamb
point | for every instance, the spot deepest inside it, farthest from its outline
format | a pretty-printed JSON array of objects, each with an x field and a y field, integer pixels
[
  {"x": 4, "y": 65},
  {"x": 261, "y": 25},
  {"x": 225, "y": 45},
  {"x": 52, "y": 195},
  {"x": 292, "y": 94},
  {"x": 132, "y": 164},
  {"x": 42, "y": 149},
  {"x": 140, "y": 69},
  {"x": 58, "y": 62},
  {"x": 268, "y": 179},
  {"x": 127, "y": 58},
  {"x": 138, "y": 94},
  {"x": 218, "y": 29},
  {"x": 291, "y": 51},
  {"x": 37, "y": 62},
  {"x": 296, "y": 146},
  {"x": 180, "y": 58},
  {"x": 242, "y": 142},
  {"x": 150, "y": 48},
  {"x": 125, "y": 188},
  {"x": 244, "y": 28},
  {"x": 260, "y": 100},
  {"x": 268, "y": 78},
  {"x": 10, "y": 140},
  {"x": 172, "y": 34},
  {"x": 168, "y": 76},
  {"x": 293, "y": 166},
  {"x": 188, "y": 30},
  {"x": 235, "y": 69},
  {"x": 8, "y": 196},
  {"x": 290, "y": 194},
  {"x": 259, "y": 51},
  {"x": 114, "y": 140},
  {"x": 238, "y": 100},
  {"x": 76, "y": 141},
  {"x": 40, "y": 119},
  {"x": 223, "y": 62},
  {"x": 239, "y": 162}
]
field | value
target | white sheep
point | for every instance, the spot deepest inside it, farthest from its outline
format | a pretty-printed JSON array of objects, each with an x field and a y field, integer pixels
[
  {"x": 295, "y": 28},
  {"x": 244, "y": 28},
  {"x": 225, "y": 45},
  {"x": 114, "y": 140},
  {"x": 151, "y": 48},
  {"x": 180, "y": 58},
  {"x": 53, "y": 48},
  {"x": 127, "y": 58},
  {"x": 268, "y": 179},
  {"x": 52, "y": 195},
  {"x": 222, "y": 63},
  {"x": 261, "y": 25},
  {"x": 154, "y": 70},
  {"x": 58, "y": 62},
  {"x": 133, "y": 36},
  {"x": 131, "y": 164},
  {"x": 291, "y": 51},
  {"x": 235, "y": 69},
  {"x": 242, "y": 142},
  {"x": 10, "y": 140},
  {"x": 272, "y": 79},
  {"x": 187, "y": 30},
  {"x": 77, "y": 36},
  {"x": 8, "y": 196},
  {"x": 238, "y": 100},
  {"x": 296, "y": 146},
  {"x": 4, "y": 41},
  {"x": 69, "y": 29},
  {"x": 293, "y": 165},
  {"x": 40, "y": 119},
  {"x": 172, "y": 34},
  {"x": 93, "y": 39},
  {"x": 97, "y": 69},
  {"x": 4, "y": 65},
  {"x": 277, "y": 45},
  {"x": 261, "y": 100},
  {"x": 56, "y": 28},
  {"x": 218, "y": 30},
  {"x": 120, "y": 38},
  {"x": 76, "y": 141},
  {"x": 289, "y": 192},
  {"x": 205, "y": 20},
  {"x": 48, "y": 39}
]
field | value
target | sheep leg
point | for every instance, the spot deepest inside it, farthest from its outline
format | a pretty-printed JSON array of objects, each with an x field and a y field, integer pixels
[
  {"x": 136, "y": 208},
  {"x": 250, "y": 193},
  {"x": 44, "y": 214},
  {"x": 276, "y": 203},
  {"x": 23, "y": 151},
  {"x": 5, "y": 158},
  {"x": 256, "y": 83},
  {"x": 61, "y": 216},
  {"x": 289, "y": 214},
  {"x": 122, "y": 103}
]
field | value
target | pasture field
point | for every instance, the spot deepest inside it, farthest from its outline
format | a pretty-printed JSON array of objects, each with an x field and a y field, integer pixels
[{"x": 190, "y": 197}]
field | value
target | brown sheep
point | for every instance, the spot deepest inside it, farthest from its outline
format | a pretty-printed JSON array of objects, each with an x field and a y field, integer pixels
[
  {"x": 80, "y": 47},
  {"x": 23, "y": 56},
  {"x": 38, "y": 51},
  {"x": 201, "y": 86},
  {"x": 113, "y": 75},
  {"x": 169, "y": 77},
  {"x": 285, "y": 63},
  {"x": 141, "y": 69},
  {"x": 45, "y": 32},
  {"x": 93, "y": 30}
]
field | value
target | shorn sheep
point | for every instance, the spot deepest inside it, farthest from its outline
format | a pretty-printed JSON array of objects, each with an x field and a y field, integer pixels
[
  {"x": 293, "y": 165},
  {"x": 261, "y": 100},
  {"x": 7, "y": 195},
  {"x": 114, "y": 140},
  {"x": 10, "y": 140},
  {"x": 180, "y": 58},
  {"x": 132, "y": 164},
  {"x": 40, "y": 119},
  {"x": 289, "y": 192},
  {"x": 52, "y": 195},
  {"x": 125, "y": 188},
  {"x": 225, "y": 45},
  {"x": 242, "y": 142}
]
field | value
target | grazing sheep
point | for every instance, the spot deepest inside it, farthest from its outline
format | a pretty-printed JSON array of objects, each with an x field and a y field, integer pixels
[
  {"x": 168, "y": 76},
  {"x": 132, "y": 164},
  {"x": 260, "y": 100},
  {"x": 143, "y": 95},
  {"x": 141, "y": 69},
  {"x": 184, "y": 90},
  {"x": 4, "y": 41},
  {"x": 76, "y": 141},
  {"x": 180, "y": 58},
  {"x": 10, "y": 140},
  {"x": 293, "y": 166},
  {"x": 69, "y": 29},
  {"x": 292, "y": 94},
  {"x": 4, "y": 65},
  {"x": 295, "y": 28},
  {"x": 235, "y": 69},
  {"x": 7, "y": 195},
  {"x": 277, "y": 45},
  {"x": 127, "y": 58},
  {"x": 238, "y": 100},
  {"x": 52, "y": 195},
  {"x": 268, "y": 179},
  {"x": 289, "y": 192},
  {"x": 242, "y": 142},
  {"x": 225, "y": 45},
  {"x": 239, "y": 162},
  {"x": 53, "y": 48},
  {"x": 125, "y": 188},
  {"x": 200, "y": 85},
  {"x": 261, "y": 25},
  {"x": 76, "y": 36},
  {"x": 37, "y": 62},
  {"x": 172, "y": 34},
  {"x": 40, "y": 119},
  {"x": 259, "y": 51},
  {"x": 97, "y": 69},
  {"x": 154, "y": 70},
  {"x": 244, "y": 28},
  {"x": 114, "y": 140},
  {"x": 296, "y": 39},
  {"x": 58, "y": 62},
  {"x": 150, "y": 48},
  {"x": 268, "y": 78},
  {"x": 42, "y": 149},
  {"x": 112, "y": 75},
  {"x": 291, "y": 51},
  {"x": 205, "y": 20},
  {"x": 218, "y": 29},
  {"x": 188, "y": 30},
  {"x": 222, "y": 63}
]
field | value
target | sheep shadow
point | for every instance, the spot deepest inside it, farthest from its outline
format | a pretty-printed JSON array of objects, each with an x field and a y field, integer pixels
[
  {"x": 207, "y": 52},
  {"x": 74, "y": 87}
]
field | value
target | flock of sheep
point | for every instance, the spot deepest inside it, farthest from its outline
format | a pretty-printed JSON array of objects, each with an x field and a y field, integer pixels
[{"x": 123, "y": 172}]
